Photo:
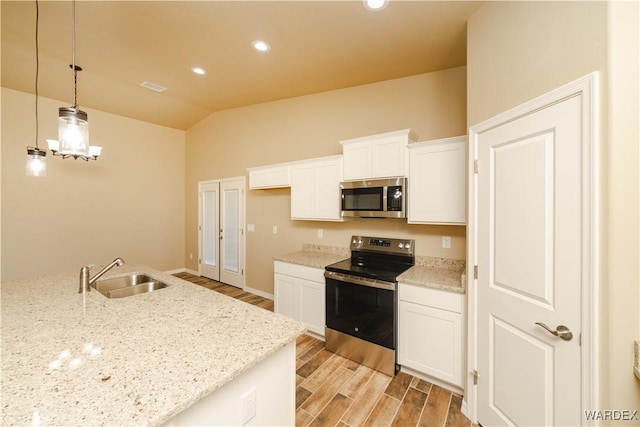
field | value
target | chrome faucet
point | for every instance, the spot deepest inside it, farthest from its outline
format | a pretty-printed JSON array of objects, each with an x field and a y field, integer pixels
[{"x": 86, "y": 282}]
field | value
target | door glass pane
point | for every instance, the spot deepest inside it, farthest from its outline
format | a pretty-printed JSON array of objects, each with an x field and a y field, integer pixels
[
  {"x": 362, "y": 199},
  {"x": 231, "y": 229},
  {"x": 209, "y": 231}
]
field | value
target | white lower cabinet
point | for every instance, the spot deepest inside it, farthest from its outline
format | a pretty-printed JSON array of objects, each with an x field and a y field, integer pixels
[
  {"x": 430, "y": 333},
  {"x": 300, "y": 294}
]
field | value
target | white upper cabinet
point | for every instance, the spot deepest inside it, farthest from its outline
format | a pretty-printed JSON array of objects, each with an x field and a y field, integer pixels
[
  {"x": 274, "y": 176},
  {"x": 315, "y": 189},
  {"x": 377, "y": 156},
  {"x": 437, "y": 181}
]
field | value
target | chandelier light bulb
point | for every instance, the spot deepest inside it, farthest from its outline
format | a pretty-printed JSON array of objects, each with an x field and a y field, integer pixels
[
  {"x": 73, "y": 132},
  {"x": 36, "y": 162}
]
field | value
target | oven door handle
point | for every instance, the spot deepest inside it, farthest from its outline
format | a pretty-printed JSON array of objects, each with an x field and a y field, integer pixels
[{"x": 355, "y": 280}]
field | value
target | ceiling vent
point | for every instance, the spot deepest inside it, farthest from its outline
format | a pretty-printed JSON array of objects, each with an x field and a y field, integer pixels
[{"x": 153, "y": 86}]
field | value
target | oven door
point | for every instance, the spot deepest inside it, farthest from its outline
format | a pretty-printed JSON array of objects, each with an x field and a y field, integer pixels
[{"x": 361, "y": 308}]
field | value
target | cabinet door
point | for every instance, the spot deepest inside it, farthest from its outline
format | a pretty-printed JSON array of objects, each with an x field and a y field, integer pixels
[
  {"x": 311, "y": 303},
  {"x": 328, "y": 177},
  {"x": 303, "y": 185},
  {"x": 389, "y": 157},
  {"x": 357, "y": 160},
  {"x": 269, "y": 177},
  {"x": 430, "y": 341},
  {"x": 437, "y": 182},
  {"x": 286, "y": 295}
]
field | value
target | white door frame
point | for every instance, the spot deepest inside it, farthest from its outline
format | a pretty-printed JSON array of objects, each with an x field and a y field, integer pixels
[
  {"x": 243, "y": 221},
  {"x": 201, "y": 185},
  {"x": 587, "y": 88}
]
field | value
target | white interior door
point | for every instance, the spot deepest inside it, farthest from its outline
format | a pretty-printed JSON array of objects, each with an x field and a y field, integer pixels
[
  {"x": 209, "y": 229},
  {"x": 221, "y": 230},
  {"x": 232, "y": 232},
  {"x": 529, "y": 254}
]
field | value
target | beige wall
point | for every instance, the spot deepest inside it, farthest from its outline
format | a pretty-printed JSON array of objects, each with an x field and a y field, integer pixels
[
  {"x": 227, "y": 143},
  {"x": 520, "y": 50},
  {"x": 128, "y": 203}
]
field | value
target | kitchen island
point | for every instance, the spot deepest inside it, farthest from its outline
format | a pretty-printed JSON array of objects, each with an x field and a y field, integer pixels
[{"x": 179, "y": 355}]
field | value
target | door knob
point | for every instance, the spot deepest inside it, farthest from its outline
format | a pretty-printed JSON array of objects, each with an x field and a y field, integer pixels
[{"x": 560, "y": 332}]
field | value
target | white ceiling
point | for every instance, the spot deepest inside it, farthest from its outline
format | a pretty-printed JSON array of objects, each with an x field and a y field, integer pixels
[{"x": 316, "y": 46}]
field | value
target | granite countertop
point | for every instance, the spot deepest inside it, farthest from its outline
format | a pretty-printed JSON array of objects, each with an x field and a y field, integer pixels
[
  {"x": 317, "y": 256},
  {"x": 431, "y": 272},
  {"x": 438, "y": 273},
  {"x": 84, "y": 359}
]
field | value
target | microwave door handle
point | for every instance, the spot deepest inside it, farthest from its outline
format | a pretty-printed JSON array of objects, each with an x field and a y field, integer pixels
[{"x": 385, "y": 191}]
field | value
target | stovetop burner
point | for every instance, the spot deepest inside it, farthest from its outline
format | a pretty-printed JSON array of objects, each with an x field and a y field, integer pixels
[{"x": 377, "y": 258}]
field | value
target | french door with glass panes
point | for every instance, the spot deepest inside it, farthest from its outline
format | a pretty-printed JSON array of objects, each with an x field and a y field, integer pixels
[{"x": 221, "y": 207}]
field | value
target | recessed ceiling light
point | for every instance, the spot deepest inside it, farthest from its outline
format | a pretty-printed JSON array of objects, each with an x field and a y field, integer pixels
[
  {"x": 375, "y": 4},
  {"x": 261, "y": 46},
  {"x": 199, "y": 70}
]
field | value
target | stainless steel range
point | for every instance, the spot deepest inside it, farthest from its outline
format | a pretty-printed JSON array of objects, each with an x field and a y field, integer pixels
[{"x": 361, "y": 302}]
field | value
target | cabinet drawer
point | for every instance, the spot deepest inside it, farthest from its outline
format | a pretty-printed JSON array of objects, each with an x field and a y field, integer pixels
[
  {"x": 301, "y": 271},
  {"x": 429, "y": 297}
]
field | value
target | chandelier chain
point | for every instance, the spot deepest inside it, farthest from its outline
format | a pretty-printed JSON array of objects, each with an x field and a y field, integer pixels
[
  {"x": 37, "y": 68},
  {"x": 73, "y": 54}
]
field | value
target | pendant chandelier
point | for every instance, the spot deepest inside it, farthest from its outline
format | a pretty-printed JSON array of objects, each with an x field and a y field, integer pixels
[
  {"x": 36, "y": 157},
  {"x": 73, "y": 126}
]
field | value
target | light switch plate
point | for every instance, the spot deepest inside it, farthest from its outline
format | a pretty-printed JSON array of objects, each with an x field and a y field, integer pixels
[
  {"x": 251, "y": 227},
  {"x": 275, "y": 229}
]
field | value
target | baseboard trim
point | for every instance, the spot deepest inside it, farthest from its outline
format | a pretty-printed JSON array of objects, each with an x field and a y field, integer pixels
[
  {"x": 258, "y": 292},
  {"x": 182, "y": 270},
  {"x": 451, "y": 387}
]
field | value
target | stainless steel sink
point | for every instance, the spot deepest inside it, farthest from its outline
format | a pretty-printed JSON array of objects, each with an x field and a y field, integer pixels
[{"x": 125, "y": 286}]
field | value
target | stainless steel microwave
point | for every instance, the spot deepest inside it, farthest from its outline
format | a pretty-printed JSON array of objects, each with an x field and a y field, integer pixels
[{"x": 375, "y": 198}]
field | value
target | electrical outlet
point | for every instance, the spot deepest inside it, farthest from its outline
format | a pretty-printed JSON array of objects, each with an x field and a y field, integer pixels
[
  {"x": 190, "y": 255},
  {"x": 275, "y": 229},
  {"x": 320, "y": 233},
  {"x": 446, "y": 242},
  {"x": 248, "y": 405}
]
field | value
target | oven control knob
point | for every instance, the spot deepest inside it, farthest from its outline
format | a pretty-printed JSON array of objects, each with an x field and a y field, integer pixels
[
  {"x": 407, "y": 245},
  {"x": 354, "y": 241},
  {"x": 401, "y": 245},
  {"x": 356, "y": 329}
]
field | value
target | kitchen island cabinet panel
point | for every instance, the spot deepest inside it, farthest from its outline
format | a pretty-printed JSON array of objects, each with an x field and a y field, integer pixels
[{"x": 224, "y": 407}]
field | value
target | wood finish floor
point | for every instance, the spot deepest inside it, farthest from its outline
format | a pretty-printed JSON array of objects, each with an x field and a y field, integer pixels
[{"x": 334, "y": 391}]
